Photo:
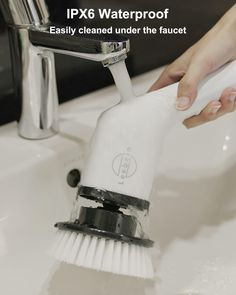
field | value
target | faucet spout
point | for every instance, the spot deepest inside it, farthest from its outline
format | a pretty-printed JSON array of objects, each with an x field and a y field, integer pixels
[{"x": 107, "y": 49}]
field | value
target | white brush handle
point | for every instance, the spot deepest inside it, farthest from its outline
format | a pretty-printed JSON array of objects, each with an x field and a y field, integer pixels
[
  {"x": 128, "y": 141},
  {"x": 210, "y": 89}
]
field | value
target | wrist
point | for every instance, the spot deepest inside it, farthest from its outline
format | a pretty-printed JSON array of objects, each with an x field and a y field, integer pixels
[
  {"x": 229, "y": 25},
  {"x": 229, "y": 19}
]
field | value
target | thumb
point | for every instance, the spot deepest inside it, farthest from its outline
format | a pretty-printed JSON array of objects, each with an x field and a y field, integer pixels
[{"x": 188, "y": 86}]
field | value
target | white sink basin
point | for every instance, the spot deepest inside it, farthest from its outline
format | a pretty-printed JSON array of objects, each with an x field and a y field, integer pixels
[{"x": 193, "y": 214}]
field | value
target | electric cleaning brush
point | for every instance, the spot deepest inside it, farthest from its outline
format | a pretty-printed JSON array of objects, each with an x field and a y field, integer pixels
[{"x": 119, "y": 173}]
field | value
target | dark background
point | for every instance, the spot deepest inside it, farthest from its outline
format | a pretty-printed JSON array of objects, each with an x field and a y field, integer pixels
[{"x": 76, "y": 77}]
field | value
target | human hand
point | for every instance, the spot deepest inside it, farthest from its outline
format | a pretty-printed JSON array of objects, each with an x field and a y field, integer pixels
[{"x": 215, "y": 49}]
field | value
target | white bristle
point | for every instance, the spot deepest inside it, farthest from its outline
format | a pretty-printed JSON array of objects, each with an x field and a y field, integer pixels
[
  {"x": 125, "y": 259},
  {"x": 116, "y": 258},
  {"x": 75, "y": 249},
  {"x": 59, "y": 236},
  {"x": 137, "y": 252},
  {"x": 98, "y": 258},
  {"x": 62, "y": 244},
  {"x": 143, "y": 262},
  {"x": 88, "y": 262},
  {"x": 68, "y": 246},
  {"x": 149, "y": 265},
  {"x": 108, "y": 255},
  {"x": 132, "y": 262},
  {"x": 80, "y": 260},
  {"x": 103, "y": 254}
]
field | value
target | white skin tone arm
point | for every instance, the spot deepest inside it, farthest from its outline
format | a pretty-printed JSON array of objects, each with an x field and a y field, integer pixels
[{"x": 215, "y": 49}]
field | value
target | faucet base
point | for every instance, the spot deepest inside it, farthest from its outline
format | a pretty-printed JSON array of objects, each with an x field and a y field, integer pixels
[
  {"x": 32, "y": 132},
  {"x": 44, "y": 134}
]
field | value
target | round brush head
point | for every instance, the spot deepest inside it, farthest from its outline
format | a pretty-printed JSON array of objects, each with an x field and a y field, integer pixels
[
  {"x": 105, "y": 239},
  {"x": 106, "y": 222}
]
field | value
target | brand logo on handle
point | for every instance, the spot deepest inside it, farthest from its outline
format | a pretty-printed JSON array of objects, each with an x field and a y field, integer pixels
[{"x": 124, "y": 166}]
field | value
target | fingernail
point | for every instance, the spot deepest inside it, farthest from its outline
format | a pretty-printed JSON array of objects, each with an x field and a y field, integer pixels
[
  {"x": 182, "y": 102},
  {"x": 214, "y": 109},
  {"x": 232, "y": 97}
]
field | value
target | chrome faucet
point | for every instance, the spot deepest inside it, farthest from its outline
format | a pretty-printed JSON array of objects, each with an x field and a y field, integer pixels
[{"x": 32, "y": 50}]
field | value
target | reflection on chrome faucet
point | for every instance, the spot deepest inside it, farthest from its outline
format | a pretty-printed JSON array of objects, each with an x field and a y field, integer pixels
[{"x": 32, "y": 51}]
